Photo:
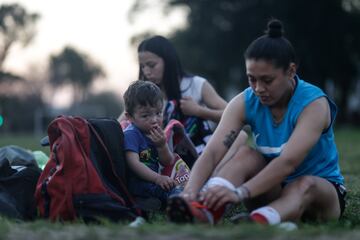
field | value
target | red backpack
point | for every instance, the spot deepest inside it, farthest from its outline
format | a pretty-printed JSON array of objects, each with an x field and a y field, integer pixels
[{"x": 85, "y": 175}]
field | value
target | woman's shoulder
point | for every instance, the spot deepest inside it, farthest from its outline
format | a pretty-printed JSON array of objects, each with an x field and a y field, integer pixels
[
  {"x": 192, "y": 81},
  {"x": 199, "y": 79},
  {"x": 309, "y": 87},
  {"x": 306, "y": 93},
  {"x": 192, "y": 86},
  {"x": 249, "y": 95}
]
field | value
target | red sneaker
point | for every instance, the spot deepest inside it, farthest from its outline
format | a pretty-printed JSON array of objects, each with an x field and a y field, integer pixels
[
  {"x": 249, "y": 218},
  {"x": 180, "y": 211}
]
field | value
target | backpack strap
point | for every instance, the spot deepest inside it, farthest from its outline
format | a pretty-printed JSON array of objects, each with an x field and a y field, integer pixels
[{"x": 113, "y": 167}]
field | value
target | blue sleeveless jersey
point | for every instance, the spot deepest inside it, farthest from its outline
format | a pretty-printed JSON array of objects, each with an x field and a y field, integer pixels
[{"x": 270, "y": 138}]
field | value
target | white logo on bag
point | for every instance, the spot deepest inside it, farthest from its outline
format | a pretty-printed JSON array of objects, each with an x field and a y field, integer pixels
[{"x": 183, "y": 178}]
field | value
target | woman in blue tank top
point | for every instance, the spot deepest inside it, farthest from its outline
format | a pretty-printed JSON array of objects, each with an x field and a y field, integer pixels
[{"x": 292, "y": 172}]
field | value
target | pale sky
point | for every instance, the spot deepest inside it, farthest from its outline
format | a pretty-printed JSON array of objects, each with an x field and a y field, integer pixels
[{"x": 98, "y": 28}]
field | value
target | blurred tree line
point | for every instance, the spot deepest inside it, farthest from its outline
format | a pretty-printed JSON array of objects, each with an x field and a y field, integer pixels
[
  {"x": 325, "y": 34},
  {"x": 23, "y": 104}
]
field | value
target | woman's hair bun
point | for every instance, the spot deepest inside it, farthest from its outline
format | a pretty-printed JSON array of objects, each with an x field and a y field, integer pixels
[{"x": 274, "y": 29}]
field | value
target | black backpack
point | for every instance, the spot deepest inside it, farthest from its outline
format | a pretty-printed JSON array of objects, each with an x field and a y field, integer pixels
[{"x": 19, "y": 173}]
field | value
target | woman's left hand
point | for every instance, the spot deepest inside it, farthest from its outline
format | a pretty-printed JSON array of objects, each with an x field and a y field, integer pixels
[
  {"x": 189, "y": 106},
  {"x": 217, "y": 196}
]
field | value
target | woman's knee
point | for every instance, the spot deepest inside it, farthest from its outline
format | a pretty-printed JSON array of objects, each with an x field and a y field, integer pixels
[
  {"x": 316, "y": 196},
  {"x": 244, "y": 164},
  {"x": 250, "y": 157},
  {"x": 245, "y": 151},
  {"x": 248, "y": 161}
]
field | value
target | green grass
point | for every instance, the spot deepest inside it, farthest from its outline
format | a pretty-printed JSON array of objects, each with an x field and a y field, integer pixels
[
  {"x": 348, "y": 141},
  {"x": 28, "y": 141}
]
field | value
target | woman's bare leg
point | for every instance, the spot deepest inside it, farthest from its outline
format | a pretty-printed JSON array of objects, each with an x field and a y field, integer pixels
[{"x": 312, "y": 196}]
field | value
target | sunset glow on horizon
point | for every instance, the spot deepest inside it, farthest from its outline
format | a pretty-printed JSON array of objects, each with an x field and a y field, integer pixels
[{"x": 98, "y": 28}]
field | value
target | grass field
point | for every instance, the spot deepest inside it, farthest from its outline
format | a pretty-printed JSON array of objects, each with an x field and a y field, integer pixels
[{"x": 348, "y": 140}]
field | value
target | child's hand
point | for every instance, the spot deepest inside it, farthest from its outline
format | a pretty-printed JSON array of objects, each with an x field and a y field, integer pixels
[
  {"x": 157, "y": 136},
  {"x": 165, "y": 182}
]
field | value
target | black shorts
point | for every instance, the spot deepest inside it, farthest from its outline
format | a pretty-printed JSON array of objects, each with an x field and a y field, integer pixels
[{"x": 341, "y": 192}]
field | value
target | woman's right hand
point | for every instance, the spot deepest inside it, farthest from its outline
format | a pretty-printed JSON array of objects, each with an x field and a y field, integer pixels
[
  {"x": 189, "y": 195},
  {"x": 217, "y": 196},
  {"x": 189, "y": 107}
]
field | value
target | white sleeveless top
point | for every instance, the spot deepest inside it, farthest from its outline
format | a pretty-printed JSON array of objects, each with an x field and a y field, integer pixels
[{"x": 192, "y": 87}]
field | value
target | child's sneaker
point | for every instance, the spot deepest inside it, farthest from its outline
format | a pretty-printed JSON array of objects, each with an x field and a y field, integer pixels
[{"x": 180, "y": 211}]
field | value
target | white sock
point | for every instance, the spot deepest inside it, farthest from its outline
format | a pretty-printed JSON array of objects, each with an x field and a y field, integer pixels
[
  {"x": 270, "y": 214},
  {"x": 218, "y": 181}
]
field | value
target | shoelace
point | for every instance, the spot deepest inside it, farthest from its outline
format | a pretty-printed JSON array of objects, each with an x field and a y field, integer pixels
[{"x": 205, "y": 210}]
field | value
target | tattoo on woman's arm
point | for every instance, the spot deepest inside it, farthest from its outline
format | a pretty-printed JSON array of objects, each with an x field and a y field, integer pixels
[{"x": 230, "y": 138}]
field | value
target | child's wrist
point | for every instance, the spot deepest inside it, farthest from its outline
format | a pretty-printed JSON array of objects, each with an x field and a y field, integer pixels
[
  {"x": 162, "y": 147},
  {"x": 156, "y": 178}
]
